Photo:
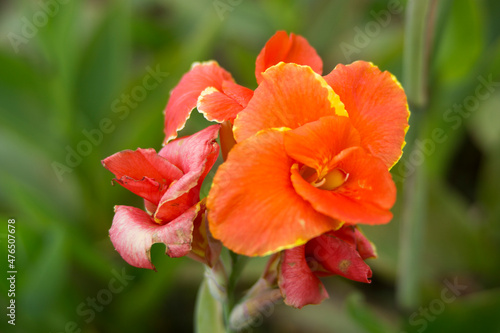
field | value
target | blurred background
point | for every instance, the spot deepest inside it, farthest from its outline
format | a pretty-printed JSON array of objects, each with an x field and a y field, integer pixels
[{"x": 72, "y": 92}]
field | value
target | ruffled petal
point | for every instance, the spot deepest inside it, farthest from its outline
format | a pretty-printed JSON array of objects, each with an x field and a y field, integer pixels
[
  {"x": 365, "y": 197},
  {"x": 337, "y": 257},
  {"x": 133, "y": 233},
  {"x": 184, "y": 96},
  {"x": 253, "y": 207},
  {"x": 377, "y": 106},
  {"x": 143, "y": 172},
  {"x": 290, "y": 96},
  {"x": 295, "y": 49},
  {"x": 194, "y": 155},
  {"x": 316, "y": 144},
  {"x": 298, "y": 284}
]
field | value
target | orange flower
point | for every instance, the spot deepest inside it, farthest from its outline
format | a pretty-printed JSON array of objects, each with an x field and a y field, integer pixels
[{"x": 312, "y": 152}]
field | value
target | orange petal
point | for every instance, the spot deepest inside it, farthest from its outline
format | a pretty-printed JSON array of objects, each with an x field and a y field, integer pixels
[
  {"x": 316, "y": 144},
  {"x": 253, "y": 207},
  {"x": 280, "y": 47},
  {"x": 365, "y": 197},
  {"x": 289, "y": 96},
  {"x": 185, "y": 95},
  {"x": 298, "y": 284},
  {"x": 377, "y": 107}
]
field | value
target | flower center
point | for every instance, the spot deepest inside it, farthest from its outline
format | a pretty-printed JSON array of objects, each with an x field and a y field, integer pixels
[{"x": 332, "y": 180}]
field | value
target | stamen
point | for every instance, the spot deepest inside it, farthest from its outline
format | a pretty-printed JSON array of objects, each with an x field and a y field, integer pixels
[{"x": 333, "y": 179}]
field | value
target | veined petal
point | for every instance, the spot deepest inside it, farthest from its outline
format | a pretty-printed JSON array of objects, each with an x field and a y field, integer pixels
[
  {"x": 294, "y": 49},
  {"x": 377, "y": 107},
  {"x": 133, "y": 233},
  {"x": 365, "y": 197},
  {"x": 253, "y": 207},
  {"x": 337, "y": 257},
  {"x": 290, "y": 96},
  {"x": 143, "y": 172},
  {"x": 298, "y": 284},
  {"x": 184, "y": 96},
  {"x": 316, "y": 144},
  {"x": 194, "y": 155}
]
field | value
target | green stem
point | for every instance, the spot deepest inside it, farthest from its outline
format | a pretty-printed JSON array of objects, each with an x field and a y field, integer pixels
[
  {"x": 237, "y": 264},
  {"x": 419, "y": 32}
]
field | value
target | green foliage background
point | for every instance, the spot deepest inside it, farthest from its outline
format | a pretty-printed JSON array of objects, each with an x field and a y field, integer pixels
[{"x": 66, "y": 78}]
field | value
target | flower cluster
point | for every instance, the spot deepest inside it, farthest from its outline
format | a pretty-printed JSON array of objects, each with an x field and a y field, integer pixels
[{"x": 306, "y": 160}]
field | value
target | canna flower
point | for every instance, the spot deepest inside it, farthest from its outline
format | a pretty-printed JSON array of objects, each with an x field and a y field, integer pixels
[
  {"x": 213, "y": 91},
  {"x": 170, "y": 183},
  {"x": 341, "y": 252},
  {"x": 312, "y": 152}
]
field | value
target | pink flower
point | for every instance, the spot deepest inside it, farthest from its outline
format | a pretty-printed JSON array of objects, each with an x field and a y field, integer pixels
[{"x": 170, "y": 183}]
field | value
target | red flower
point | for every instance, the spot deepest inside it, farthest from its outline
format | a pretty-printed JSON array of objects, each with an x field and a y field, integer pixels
[
  {"x": 170, "y": 183},
  {"x": 312, "y": 153},
  {"x": 341, "y": 252}
]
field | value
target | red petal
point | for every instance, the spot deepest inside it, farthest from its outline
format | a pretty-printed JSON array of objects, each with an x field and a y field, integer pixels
[
  {"x": 365, "y": 248},
  {"x": 289, "y": 96},
  {"x": 316, "y": 144},
  {"x": 365, "y": 197},
  {"x": 143, "y": 172},
  {"x": 295, "y": 49},
  {"x": 133, "y": 233},
  {"x": 338, "y": 257},
  {"x": 194, "y": 155},
  {"x": 377, "y": 107},
  {"x": 352, "y": 235},
  {"x": 253, "y": 208},
  {"x": 185, "y": 95},
  {"x": 298, "y": 285}
]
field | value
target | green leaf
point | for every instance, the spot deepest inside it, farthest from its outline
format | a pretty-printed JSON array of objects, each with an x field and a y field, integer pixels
[
  {"x": 208, "y": 312},
  {"x": 462, "y": 41}
]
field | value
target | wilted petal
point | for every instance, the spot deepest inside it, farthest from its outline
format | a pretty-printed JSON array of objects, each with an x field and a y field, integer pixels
[
  {"x": 194, "y": 155},
  {"x": 298, "y": 284},
  {"x": 143, "y": 172},
  {"x": 133, "y": 233},
  {"x": 337, "y": 257}
]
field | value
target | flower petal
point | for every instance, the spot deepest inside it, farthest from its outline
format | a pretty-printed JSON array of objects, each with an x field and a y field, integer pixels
[
  {"x": 253, "y": 208},
  {"x": 290, "y": 95},
  {"x": 185, "y": 95},
  {"x": 298, "y": 284},
  {"x": 317, "y": 143},
  {"x": 194, "y": 155},
  {"x": 377, "y": 107},
  {"x": 352, "y": 235},
  {"x": 133, "y": 233},
  {"x": 365, "y": 197},
  {"x": 338, "y": 257},
  {"x": 143, "y": 172},
  {"x": 295, "y": 49}
]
